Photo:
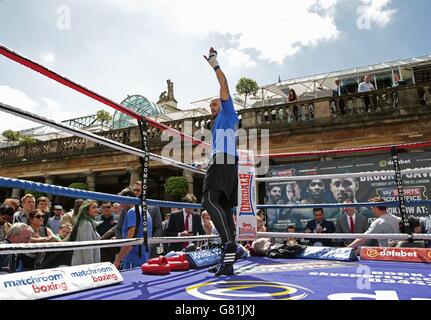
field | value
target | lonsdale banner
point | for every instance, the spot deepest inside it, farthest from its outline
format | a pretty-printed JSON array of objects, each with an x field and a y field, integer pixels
[{"x": 246, "y": 209}]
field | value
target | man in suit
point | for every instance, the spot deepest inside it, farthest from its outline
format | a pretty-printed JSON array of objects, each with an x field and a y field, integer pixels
[
  {"x": 156, "y": 217},
  {"x": 184, "y": 223},
  {"x": 320, "y": 225},
  {"x": 351, "y": 222},
  {"x": 339, "y": 91}
]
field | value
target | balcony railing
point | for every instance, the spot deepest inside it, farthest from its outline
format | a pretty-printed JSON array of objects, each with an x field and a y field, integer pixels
[
  {"x": 9, "y": 153},
  {"x": 71, "y": 145},
  {"x": 291, "y": 113},
  {"x": 375, "y": 101},
  {"x": 386, "y": 102}
]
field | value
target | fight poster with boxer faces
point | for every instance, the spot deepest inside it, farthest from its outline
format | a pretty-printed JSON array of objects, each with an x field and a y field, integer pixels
[{"x": 317, "y": 191}]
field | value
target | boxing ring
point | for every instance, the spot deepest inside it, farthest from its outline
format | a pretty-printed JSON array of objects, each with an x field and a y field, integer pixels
[
  {"x": 255, "y": 278},
  {"x": 259, "y": 278}
]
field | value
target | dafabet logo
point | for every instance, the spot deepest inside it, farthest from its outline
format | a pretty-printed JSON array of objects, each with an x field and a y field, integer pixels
[{"x": 372, "y": 253}]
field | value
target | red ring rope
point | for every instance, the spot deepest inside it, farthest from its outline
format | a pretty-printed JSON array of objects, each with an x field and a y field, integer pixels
[{"x": 416, "y": 145}]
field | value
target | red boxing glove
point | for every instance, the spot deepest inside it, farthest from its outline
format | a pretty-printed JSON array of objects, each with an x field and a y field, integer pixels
[
  {"x": 179, "y": 263},
  {"x": 156, "y": 266}
]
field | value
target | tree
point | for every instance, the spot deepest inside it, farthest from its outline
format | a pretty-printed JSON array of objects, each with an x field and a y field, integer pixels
[
  {"x": 103, "y": 116},
  {"x": 246, "y": 87},
  {"x": 176, "y": 186},
  {"x": 27, "y": 140},
  {"x": 79, "y": 186},
  {"x": 11, "y": 136}
]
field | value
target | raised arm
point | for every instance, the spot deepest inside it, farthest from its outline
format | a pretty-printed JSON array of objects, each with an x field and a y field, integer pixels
[{"x": 224, "y": 88}]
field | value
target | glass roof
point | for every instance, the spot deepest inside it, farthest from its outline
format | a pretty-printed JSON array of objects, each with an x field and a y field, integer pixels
[{"x": 141, "y": 105}]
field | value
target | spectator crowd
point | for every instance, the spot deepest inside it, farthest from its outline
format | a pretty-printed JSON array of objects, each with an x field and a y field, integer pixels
[{"x": 30, "y": 220}]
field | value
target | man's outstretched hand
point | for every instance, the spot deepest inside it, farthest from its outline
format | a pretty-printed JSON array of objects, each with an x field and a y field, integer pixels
[
  {"x": 224, "y": 88},
  {"x": 212, "y": 59}
]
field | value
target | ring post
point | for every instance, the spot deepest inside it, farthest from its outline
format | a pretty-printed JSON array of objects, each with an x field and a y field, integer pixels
[
  {"x": 401, "y": 198},
  {"x": 145, "y": 167}
]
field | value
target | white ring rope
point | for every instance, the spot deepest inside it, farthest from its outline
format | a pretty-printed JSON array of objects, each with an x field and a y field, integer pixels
[
  {"x": 384, "y": 236},
  {"x": 82, "y": 245},
  {"x": 344, "y": 175},
  {"x": 12, "y": 248},
  {"x": 158, "y": 240}
]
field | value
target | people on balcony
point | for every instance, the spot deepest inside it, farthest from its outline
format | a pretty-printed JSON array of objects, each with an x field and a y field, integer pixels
[
  {"x": 293, "y": 98},
  {"x": 339, "y": 91},
  {"x": 310, "y": 111},
  {"x": 366, "y": 86}
]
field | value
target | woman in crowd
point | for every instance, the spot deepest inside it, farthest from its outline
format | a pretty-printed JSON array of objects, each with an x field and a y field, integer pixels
[
  {"x": 41, "y": 233},
  {"x": 85, "y": 230},
  {"x": 34, "y": 260}
]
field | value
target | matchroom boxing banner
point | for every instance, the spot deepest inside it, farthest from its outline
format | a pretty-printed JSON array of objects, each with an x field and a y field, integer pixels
[
  {"x": 47, "y": 283},
  {"x": 317, "y": 191}
]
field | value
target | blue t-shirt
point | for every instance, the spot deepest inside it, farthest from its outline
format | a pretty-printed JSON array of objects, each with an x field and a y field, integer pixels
[
  {"x": 132, "y": 259},
  {"x": 224, "y": 129}
]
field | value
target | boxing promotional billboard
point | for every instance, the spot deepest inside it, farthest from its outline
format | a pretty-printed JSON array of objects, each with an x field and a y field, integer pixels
[{"x": 317, "y": 191}]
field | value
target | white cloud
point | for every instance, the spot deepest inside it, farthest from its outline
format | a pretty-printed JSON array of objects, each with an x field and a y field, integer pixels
[
  {"x": 18, "y": 99},
  {"x": 237, "y": 58},
  {"x": 54, "y": 110},
  {"x": 377, "y": 11},
  {"x": 327, "y": 4},
  {"x": 274, "y": 28},
  {"x": 49, "y": 108}
]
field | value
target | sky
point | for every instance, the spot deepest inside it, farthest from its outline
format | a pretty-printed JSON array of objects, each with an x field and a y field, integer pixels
[{"x": 124, "y": 47}]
